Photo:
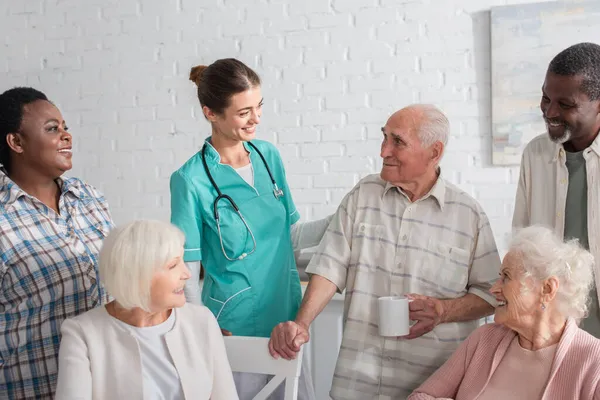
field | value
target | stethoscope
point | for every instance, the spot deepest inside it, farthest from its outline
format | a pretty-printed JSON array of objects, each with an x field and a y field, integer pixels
[{"x": 220, "y": 196}]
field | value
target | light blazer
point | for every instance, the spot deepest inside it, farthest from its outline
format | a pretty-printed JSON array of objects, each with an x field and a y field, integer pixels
[{"x": 100, "y": 360}]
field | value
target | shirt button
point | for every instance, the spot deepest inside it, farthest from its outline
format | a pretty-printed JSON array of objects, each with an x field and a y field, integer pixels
[
  {"x": 563, "y": 181},
  {"x": 404, "y": 237}
]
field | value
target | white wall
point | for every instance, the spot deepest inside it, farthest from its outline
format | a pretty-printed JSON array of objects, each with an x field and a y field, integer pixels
[{"x": 333, "y": 70}]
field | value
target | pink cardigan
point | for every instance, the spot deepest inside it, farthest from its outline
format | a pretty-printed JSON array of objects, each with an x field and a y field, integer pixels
[{"x": 574, "y": 375}]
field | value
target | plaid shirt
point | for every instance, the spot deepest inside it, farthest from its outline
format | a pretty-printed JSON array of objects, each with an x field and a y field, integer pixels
[{"x": 48, "y": 272}]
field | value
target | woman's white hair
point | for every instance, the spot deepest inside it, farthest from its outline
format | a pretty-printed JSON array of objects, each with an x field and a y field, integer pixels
[
  {"x": 130, "y": 256},
  {"x": 434, "y": 126},
  {"x": 543, "y": 255}
]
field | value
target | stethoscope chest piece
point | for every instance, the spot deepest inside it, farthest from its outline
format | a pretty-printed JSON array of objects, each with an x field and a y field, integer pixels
[{"x": 277, "y": 192}]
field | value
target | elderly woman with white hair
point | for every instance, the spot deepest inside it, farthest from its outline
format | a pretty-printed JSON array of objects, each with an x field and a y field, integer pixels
[
  {"x": 148, "y": 343},
  {"x": 535, "y": 350}
]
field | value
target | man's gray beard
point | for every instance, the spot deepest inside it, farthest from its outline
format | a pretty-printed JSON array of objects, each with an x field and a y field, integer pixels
[{"x": 560, "y": 140}]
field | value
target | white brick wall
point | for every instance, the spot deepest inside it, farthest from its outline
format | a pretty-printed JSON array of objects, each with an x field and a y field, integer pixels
[{"x": 333, "y": 71}]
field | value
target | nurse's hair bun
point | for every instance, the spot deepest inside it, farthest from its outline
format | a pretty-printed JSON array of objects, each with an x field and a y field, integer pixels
[
  {"x": 196, "y": 74},
  {"x": 220, "y": 80}
]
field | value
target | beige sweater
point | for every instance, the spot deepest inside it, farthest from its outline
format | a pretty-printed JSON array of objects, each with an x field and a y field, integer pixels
[{"x": 97, "y": 360}]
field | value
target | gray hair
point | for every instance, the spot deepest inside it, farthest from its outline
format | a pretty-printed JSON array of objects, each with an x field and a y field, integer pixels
[
  {"x": 434, "y": 126},
  {"x": 544, "y": 255},
  {"x": 130, "y": 256}
]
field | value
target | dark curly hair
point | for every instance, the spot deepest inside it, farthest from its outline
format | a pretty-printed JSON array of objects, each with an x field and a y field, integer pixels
[
  {"x": 12, "y": 103},
  {"x": 582, "y": 59}
]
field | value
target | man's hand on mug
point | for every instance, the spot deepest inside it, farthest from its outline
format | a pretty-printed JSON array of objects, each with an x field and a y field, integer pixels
[
  {"x": 427, "y": 311},
  {"x": 286, "y": 340}
]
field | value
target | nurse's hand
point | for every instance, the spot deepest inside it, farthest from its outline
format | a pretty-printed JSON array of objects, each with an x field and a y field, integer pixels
[
  {"x": 225, "y": 332},
  {"x": 286, "y": 340}
]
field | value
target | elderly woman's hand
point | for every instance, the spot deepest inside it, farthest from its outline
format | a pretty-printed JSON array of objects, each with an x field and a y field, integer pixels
[{"x": 427, "y": 311}]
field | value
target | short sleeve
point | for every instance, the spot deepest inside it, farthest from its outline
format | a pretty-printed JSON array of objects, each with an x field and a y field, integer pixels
[
  {"x": 486, "y": 262},
  {"x": 186, "y": 214},
  {"x": 332, "y": 257}
]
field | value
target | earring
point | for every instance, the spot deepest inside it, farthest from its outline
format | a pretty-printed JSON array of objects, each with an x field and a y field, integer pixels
[{"x": 543, "y": 306}]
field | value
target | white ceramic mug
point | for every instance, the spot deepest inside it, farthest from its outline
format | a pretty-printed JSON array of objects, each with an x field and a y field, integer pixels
[{"x": 393, "y": 316}]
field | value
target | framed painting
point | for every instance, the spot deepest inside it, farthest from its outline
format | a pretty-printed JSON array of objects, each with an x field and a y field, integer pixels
[{"x": 524, "y": 39}]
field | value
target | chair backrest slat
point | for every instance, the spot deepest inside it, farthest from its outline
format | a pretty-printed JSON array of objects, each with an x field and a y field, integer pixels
[{"x": 251, "y": 354}]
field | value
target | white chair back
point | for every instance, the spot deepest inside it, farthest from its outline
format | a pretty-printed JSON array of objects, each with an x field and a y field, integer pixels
[{"x": 251, "y": 354}]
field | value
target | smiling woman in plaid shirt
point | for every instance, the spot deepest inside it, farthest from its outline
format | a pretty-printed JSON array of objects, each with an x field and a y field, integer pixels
[{"x": 51, "y": 230}]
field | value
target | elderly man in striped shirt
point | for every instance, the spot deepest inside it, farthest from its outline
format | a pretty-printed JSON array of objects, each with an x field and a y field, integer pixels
[{"x": 403, "y": 231}]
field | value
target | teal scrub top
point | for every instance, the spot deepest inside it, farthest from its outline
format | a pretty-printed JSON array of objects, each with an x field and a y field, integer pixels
[{"x": 249, "y": 296}]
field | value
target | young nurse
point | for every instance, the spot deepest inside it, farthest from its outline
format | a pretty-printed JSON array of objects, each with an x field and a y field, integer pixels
[{"x": 232, "y": 201}]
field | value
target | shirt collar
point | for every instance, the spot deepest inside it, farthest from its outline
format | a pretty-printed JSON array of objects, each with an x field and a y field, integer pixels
[
  {"x": 438, "y": 191},
  {"x": 212, "y": 155},
  {"x": 559, "y": 149},
  {"x": 72, "y": 186},
  {"x": 10, "y": 191}
]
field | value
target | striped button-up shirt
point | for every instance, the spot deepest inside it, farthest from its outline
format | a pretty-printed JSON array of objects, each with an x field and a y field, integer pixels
[
  {"x": 48, "y": 272},
  {"x": 381, "y": 244}
]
